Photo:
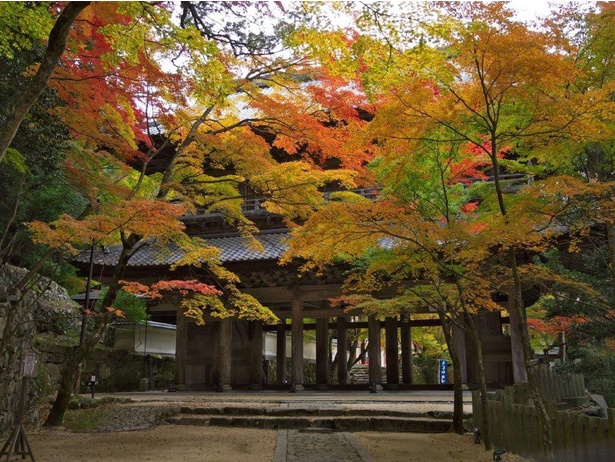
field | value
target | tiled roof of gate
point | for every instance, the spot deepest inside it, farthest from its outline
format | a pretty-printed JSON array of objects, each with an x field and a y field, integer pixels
[{"x": 233, "y": 249}]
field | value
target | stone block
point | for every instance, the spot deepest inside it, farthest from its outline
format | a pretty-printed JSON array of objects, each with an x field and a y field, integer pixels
[
  {"x": 54, "y": 371},
  {"x": 11, "y": 388},
  {"x": 243, "y": 411},
  {"x": 330, "y": 412},
  {"x": 104, "y": 372},
  {"x": 352, "y": 424},
  {"x": 88, "y": 402},
  {"x": 600, "y": 401},
  {"x": 208, "y": 410}
]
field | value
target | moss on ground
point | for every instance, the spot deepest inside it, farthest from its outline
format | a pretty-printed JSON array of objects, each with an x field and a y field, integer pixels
[{"x": 87, "y": 420}]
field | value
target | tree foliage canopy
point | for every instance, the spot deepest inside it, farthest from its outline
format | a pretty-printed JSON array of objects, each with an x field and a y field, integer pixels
[{"x": 487, "y": 140}]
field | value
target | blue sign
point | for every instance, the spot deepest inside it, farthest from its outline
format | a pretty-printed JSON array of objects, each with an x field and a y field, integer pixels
[{"x": 442, "y": 371}]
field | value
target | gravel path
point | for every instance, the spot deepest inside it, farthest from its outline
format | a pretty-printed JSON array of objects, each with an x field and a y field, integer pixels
[{"x": 131, "y": 418}]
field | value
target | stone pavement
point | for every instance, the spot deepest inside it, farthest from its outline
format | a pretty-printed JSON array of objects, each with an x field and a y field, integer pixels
[
  {"x": 310, "y": 445},
  {"x": 130, "y": 418}
]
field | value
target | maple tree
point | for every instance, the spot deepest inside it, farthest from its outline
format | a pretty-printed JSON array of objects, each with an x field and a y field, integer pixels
[
  {"x": 586, "y": 40},
  {"x": 412, "y": 232},
  {"x": 418, "y": 213},
  {"x": 513, "y": 90},
  {"x": 498, "y": 88},
  {"x": 169, "y": 117},
  {"x": 213, "y": 109},
  {"x": 588, "y": 156},
  {"x": 35, "y": 20},
  {"x": 32, "y": 181}
]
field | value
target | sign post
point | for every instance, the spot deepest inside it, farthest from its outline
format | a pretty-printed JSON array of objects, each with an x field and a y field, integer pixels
[
  {"x": 92, "y": 383},
  {"x": 18, "y": 443},
  {"x": 442, "y": 371}
]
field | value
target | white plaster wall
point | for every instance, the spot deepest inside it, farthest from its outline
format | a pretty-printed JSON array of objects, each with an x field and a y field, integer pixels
[
  {"x": 159, "y": 341},
  {"x": 309, "y": 348},
  {"x": 133, "y": 338}
]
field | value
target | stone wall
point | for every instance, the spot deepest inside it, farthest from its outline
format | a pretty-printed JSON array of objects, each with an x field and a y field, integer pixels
[
  {"x": 115, "y": 370},
  {"x": 11, "y": 350},
  {"x": 48, "y": 321},
  {"x": 309, "y": 371},
  {"x": 46, "y": 307}
]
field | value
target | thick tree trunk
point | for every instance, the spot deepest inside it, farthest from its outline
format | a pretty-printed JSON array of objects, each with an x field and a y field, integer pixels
[
  {"x": 56, "y": 415},
  {"x": 65, "y": 390},
  {"x": 55, "y": 48}
]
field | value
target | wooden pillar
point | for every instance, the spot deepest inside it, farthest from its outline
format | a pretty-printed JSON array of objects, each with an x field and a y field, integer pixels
[
  {"x": 342, "y": 351},
  {"x": 181, "y": 347},
  {"x": 518, "y": 363},
  {"x": 373, "y": 349},
  {"x": 459, "y": 344},
  {"x": 322, "y": 352},
  {"x": 406, "y": 349},
  {"x": 296, "y": 308},
  {"x": 281, "y": 352},
  {"x": 256, "y": 357},
  {"x": 225, "y": 339},
  {"x": 392, "y": 355}
]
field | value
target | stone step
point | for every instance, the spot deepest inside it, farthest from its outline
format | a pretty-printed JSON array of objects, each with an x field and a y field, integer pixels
[
  {"x": 359, "y": 374},
  {"x": 346, "y": 423},
  {"x": 245, "y": 411}
]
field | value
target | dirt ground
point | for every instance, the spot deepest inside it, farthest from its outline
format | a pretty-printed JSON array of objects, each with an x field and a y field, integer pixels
[
  {"x": 426, "y": 447},
  {"x": 172, "y": 443},
  {"x": 214, "y": 444}
]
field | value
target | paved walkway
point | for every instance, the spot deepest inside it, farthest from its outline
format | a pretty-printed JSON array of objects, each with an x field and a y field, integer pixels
[
  {"x": 318, "y": 444},
  {"x": 323, "y": 445}
]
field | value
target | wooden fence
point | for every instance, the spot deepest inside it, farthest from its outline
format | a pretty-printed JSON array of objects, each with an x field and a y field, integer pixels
[
  {"x": 556, "y": 387},
  {"x": 514, "y": 425}
]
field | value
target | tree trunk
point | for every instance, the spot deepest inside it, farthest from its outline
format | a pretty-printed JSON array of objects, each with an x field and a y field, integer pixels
[
  {"x": 10, "y": 221},
  {"x": 518, "y": 312},
  {"x": 481, "y": 378},
  {"x": 56, "y": 415},
  {"x": 65, "y": 390},
  {"x": 457, "y": 385},
  {"x": 517, "y": 305},
  {"x": 55, "y": 48},
  {"x": 610, "y": 239}
]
